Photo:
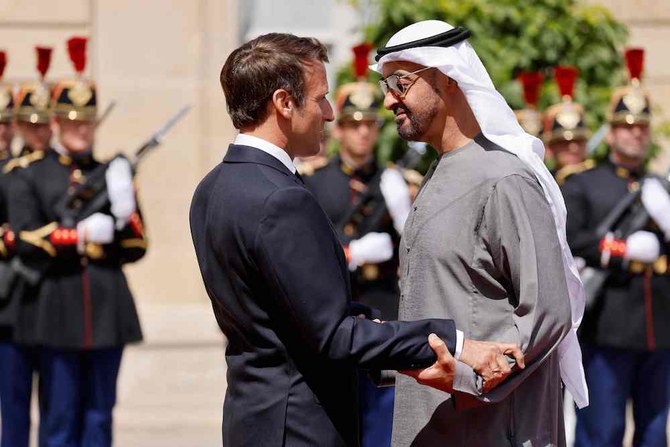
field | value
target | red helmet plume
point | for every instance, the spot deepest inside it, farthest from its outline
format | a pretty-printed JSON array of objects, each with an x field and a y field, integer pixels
[
  {"x": 566, "y": 76},
  {"x": 531, "y": 81},
  {"x": 76, "y": 48}
]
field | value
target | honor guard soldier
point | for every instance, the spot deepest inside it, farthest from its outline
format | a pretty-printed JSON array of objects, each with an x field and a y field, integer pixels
[
  {"x": 73, "y": 247},
  {"x": 368, "y": 205},
  {"x": 32, "y": 108},
  {"x": 6, "y": 252},
  {"x": 31, "y": 116},
  {"x": 619, "y": 222},
  {"x": 565, "y": 133},
  {"x": 529, "y": 117}
]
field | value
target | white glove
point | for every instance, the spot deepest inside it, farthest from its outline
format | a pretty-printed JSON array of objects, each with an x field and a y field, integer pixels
[
  {"x": 97, "y": 228},
  {"x": 396, "y": 195},
  {"x": 643, "y": 246},
  {"x": 119, "y": 177},
  {"x": 372, "y": 248},
  {"x": 656, "y": 201}
]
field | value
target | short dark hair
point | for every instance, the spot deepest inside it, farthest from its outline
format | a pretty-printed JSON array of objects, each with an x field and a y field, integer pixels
[{"x": 254, "y": 71}]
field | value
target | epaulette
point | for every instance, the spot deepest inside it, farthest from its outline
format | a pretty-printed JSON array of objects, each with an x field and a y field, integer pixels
[
  {"x": 23, "y": 162},
  {"x": 309, "y": 168},
  {"x": 566, "y": 171}
]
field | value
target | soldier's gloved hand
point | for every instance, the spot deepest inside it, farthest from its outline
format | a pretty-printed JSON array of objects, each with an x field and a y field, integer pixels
[
  {"x": 643, "y": 246},
  {"x": 372, "y": 248},
  {"x": 656, "y": 201},
  {"x": 97, "y": 228},
  {"x": 119, "y": 177},
  {"x": 396, "y": 195}
]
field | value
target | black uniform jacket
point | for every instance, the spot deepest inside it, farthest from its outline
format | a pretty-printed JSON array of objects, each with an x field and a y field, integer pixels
[
  {"x": 632, "y": 311},
  {"x": 354, "y": 213},
  {"x": 276, "y": 274},
  {"x": 82, "y": 300},
  {"x": 7, "y": 305}
]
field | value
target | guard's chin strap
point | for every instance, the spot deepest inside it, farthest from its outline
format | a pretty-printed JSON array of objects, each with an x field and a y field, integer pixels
[{"x": 446, "y": 39}]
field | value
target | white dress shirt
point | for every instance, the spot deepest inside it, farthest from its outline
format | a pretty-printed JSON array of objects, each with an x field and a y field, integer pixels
[{"x": 267, "y": 147}]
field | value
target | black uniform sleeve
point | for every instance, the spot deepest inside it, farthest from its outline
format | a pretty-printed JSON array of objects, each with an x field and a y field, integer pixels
[
  {"x": 132, "y": 241},
  {"x": 38, "y": 241},
  {"x": 581, "y": 236}
]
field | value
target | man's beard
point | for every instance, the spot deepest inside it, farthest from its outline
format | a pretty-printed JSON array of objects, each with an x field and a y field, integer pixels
[{"x": 418, "y": 122}]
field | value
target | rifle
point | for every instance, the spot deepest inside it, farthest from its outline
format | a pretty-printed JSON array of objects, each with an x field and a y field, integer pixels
[
  {"x": 91, "y": 196},
  {"x": 105, "y": 113},
  {"x": 411, "y": 158},
  {"x": 627, "y": 217}
]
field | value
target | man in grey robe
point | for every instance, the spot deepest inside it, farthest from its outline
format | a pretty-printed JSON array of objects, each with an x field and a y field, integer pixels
[{"x": 485, "y": 245}]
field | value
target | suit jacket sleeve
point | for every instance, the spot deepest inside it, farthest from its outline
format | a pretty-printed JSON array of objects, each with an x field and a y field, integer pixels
[
  {"x": 518, "y": 229},
  {"x": 301, "y": 260}
]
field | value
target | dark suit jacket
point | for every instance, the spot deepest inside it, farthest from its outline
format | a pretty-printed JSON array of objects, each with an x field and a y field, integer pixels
[{"x": 277, "y": 278}]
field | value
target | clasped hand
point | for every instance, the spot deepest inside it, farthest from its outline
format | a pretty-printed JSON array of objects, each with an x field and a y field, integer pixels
[{"x": 488, "y": 359}]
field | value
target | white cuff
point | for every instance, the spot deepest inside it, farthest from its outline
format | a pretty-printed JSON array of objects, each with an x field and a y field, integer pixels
[{"x": 460, "y": 338}]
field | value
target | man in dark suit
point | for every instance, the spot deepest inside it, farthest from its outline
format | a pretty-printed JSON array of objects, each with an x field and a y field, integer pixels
[{"x": 277, "y": 275}]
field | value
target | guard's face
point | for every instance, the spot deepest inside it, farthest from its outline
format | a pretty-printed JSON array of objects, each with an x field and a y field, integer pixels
[
  {"x": 75, "y": 135},
  {"x": 567, "y": 153},
  {"x": 630, "y": 141},
  {"x": 36, "y": 136},
  {"x": 418, "y": 106},
  {"x": 357, "y": 138},
  {"x": 308, "y": 122},
  {"x": 6, "y": 136}
]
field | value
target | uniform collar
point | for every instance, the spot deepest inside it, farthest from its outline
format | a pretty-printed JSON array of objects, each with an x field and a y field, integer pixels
[
  {"x": 365, "y": 171},
  {"x": 66, "y": 158},
  {"x": 626, "y": 173}
]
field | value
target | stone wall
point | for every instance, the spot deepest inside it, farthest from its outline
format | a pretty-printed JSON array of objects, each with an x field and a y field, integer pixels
[
  {"x": 151, "y": 57},
  {"x": 648, "y": 22}
]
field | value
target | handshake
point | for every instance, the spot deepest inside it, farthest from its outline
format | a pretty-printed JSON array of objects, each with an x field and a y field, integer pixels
[{"x": 488, "y": 359}]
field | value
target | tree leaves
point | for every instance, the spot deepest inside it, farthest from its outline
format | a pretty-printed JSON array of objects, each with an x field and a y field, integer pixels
[{"x": 511, "y": 36}]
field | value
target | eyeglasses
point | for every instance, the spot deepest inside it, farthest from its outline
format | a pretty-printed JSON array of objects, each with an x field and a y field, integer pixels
[{"x": 392, "y": 83}]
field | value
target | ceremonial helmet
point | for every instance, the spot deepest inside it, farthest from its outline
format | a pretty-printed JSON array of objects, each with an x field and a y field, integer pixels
[
  {"x": 630, "y": 104},
  {"x": 75, "y": 99},
  {"x": 529, "y": 117},
  {"x": 565, "y": 121},
  {"x": 6, "y": 96},
  {"x": 32, "y": 100},
  {"x": 361, "y": 100}
]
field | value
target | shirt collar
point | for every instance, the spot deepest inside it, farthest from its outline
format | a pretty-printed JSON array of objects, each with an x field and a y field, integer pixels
[{"x": 267, "y": 147}]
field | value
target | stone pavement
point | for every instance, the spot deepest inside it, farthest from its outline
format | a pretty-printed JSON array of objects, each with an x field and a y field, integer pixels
[{"x": 171, "y": 387}]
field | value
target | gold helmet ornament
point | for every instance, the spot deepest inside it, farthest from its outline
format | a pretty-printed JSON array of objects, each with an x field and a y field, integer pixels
[
  {"x": 529, "y": 117},
  {"x": 565, "y": 121},
  {"x": 75, "y": 99},
  {"x": 630, "y": 104},
  {"x": 32, "y": 100},
  {"x": 361, "y": 100},
  {"x": 6, "y": 96}
]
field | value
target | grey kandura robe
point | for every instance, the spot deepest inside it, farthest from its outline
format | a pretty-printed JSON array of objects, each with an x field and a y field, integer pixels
[{"x": 480, "y": 247}]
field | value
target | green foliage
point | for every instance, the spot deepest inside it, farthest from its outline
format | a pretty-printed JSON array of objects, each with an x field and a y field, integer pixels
[{"x": 511, "y": 36}]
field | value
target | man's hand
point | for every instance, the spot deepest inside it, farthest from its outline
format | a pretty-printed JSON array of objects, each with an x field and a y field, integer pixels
[
  {"x": 119, "y": 178},
  {"x": 372, "y": 248},
  {"x": 489, "y": 360},
  {"x": 441, "y": 374}
]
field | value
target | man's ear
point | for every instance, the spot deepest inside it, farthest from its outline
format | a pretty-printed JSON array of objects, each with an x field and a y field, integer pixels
[
  {"x": 283, "y": 103},
  {"x": 609, "y": 137},
  {"x": 336, "y": 132},
  {"x": 55, "y": 125}
]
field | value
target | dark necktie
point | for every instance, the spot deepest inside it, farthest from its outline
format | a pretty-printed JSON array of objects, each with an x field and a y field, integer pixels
[{"x": 297, "y": 174}]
